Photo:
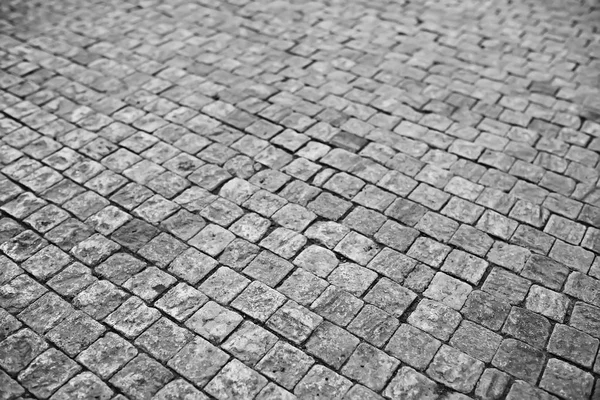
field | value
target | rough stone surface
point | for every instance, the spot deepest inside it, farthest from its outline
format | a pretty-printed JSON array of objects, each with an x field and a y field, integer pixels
[{"x": 283, "y": 199}]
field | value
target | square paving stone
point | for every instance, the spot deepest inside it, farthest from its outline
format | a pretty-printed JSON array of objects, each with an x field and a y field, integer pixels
[
  {"x": 392, "y": 264},
  {"x": 566, "y": 380},
  {"x": 177, "y": 389},
  {"x": 222, "y": 212},
  {"x": 181, "y": 301},
  {"x": 573, "y": 257},
  {"x": 192, "y": 266},
  {"x": 108, "y": 354},
  {"x": 327, "y": 233},
  {"x": 258, "y": 301},
  {"x": 94, "y": 249},
  {"x": 435, "y": 318},
  {"x": 238, "y": 254},
  {"x": 396, "y": 236},
  {"x": 465, "y": 266},
  {"x": 476, "y": 341},
  {"x": 198, "y": 361},
  {"x": 46, "y": 262},
  {"x": 249, "y": 343},
  {"x": 359, "y": 392},
  {"x": 224, "y": 285},
  {"x": 120, "y": 267},
  {"x": 150, "y": 283},
  {"x": 322, "y": 382},
  {"x": 370, "y": 366},
  {"x": 251, "y": 227},
  {"x": 141, "y": 378},
  {"x": 19, "y": 349},
  {"x": 84, "y": 385},
  {"x": 19, "y": 293},
  {"x": 508, "y": 256},
  {"x": 583, "y": 288},
  {"x": 437, "y": 226},
  {"x": 410, "y": 384},
  {"x": 406, "y": 211},
  {"x": 268, "y": 268},
  {"x": 364, "y": 221},
  {"x": 100, "y": 299},
  {"x": 8, "y": 324},
  {"x": 47, "y": 373},
  {"x": 527, "y": 326},
  {"x": 75, "y": 333},
  {"x": 162, "y": 249},
  {"x": 284, "y": 242},
  {"x": 331, "y": 344},
  {"x": 45, "y": 313},
  {"x": 519, "y": 359},
  {"x": 11, "y": 389},
  {"x": 132, "y": 317},
  {"x": 184, "y": 224},
  {"x": 272, "y": 391},
  {"x": 586, "y": 318},
  {"x": 236, "y": 381},
  {"x": 24, "y": 245},
  {"x": 212, "y": 240},
  {"x": 428, "y": 251},
  {"x": 455, "y": 369},
  {"x": 358, "y": 248},
  {"x": 374, "y": 325},
  {"x": 573, "y": 345},
  {"x": 318, "y": 260},
  {"x": 524, "y": 390},
  {"x": 302, "y": 286},
  {"x": 506, "y": 285},
  {"x": 413, "y": 346},
  {"x": 163, "y": 339},
  {"x": 447, "y": 290},
  {"x": 134, "y": 234},
  {"x": 337, "y": 305},
  {"x": 471, "y": 239},
  {"x": 294, "y": 322},
  {"x": 390, "y": 297},
  {"x": 547, "y": 302},
  {"x": 8, "y": 270},
  {"x": 492, "y": 384},
  {"x": 285, "y": 364},
  {"x": 72, "y": 280},
  {"x": 352, "y": 278},
  {"x": 213, "y": 322}
]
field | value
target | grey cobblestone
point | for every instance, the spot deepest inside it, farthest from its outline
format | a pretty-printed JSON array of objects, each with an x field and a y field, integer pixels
[{"x": 279, "y": 200}]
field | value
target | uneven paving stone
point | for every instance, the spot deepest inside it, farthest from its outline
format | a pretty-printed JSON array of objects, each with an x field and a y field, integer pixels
[
  {"x": 48, "y": 372},
  {"x": 519, "y": 360},
  {"x": 410, "y": 384},
  {"x": 370, "y": 366},
  {"x": 566, "y": 380},
  {"x": 455, "y": 369}
]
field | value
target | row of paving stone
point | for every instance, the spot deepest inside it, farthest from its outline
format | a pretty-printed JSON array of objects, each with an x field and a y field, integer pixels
[{"x": 268, "y": 200}]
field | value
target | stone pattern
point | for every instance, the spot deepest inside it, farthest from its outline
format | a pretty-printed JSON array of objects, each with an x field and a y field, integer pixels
[{"x": 255, "y": 199}]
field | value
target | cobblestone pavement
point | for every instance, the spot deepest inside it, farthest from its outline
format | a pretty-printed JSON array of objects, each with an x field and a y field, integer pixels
[{"x": 286, "y": 199}]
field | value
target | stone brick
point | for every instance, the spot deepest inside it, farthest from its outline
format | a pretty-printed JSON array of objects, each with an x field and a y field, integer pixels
[
  {"x": 435, "y": 319},
  {"x": 370, "y": 366},
  {"x": 285, "y": 364},
  {"x": 573, "y": 345},
  {"x": 455, "y": 369},
  {"x": 519, "y": 359},
  {"x": 566, "y": 380}
]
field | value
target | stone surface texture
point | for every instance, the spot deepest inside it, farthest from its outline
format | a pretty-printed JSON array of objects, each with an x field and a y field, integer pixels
[{"x": 258, "y": 199}]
